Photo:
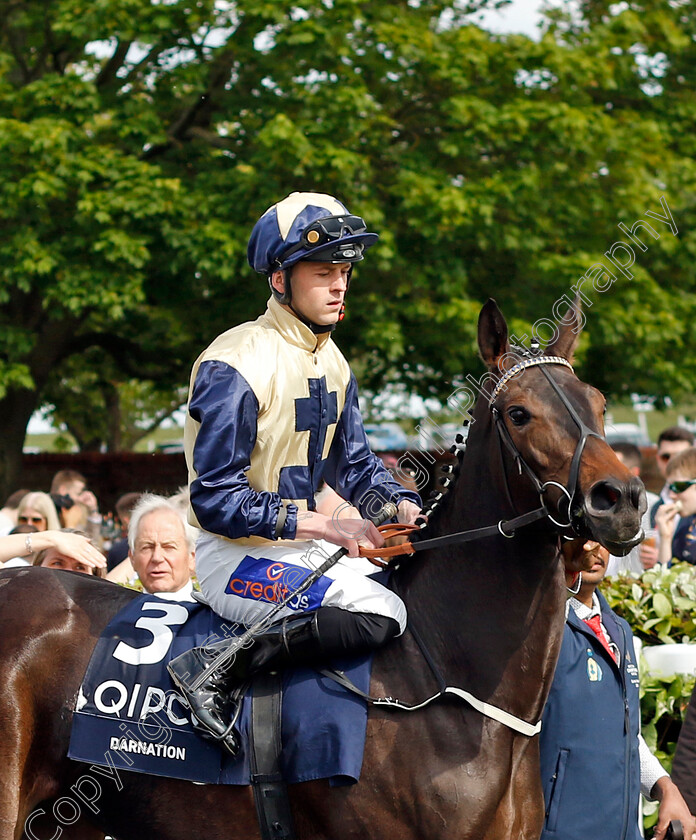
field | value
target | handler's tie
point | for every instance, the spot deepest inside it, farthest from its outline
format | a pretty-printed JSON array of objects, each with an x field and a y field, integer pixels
[{"x": 594, "y": 622}]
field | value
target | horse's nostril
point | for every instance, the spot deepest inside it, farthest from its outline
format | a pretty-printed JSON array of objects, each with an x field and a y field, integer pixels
[
  {"x": 636, "y": 491},
  {"x": 604, "y": 496}
]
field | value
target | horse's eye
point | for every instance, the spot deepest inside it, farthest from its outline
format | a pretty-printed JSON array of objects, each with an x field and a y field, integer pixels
[{"x": 519, "y": 416}]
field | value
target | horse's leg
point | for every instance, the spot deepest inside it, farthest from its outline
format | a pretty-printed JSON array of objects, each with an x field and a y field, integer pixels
[
  {"x": 16, "y": 722},
  {"x": 520, "y": 813}
]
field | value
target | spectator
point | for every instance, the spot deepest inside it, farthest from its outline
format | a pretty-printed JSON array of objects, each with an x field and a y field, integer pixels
[
  {"x": 670, "y": 442},
  {"x": 8, "y": 514},
  {"x": 37, "y": 509},
  {"x": 643, "y": 556},
  {"x": 72, "y": 545},
  {"x": 676, "y": 519},
  {"x": 69, "y": 489},
  {"x": 594, "y": 762},
  {"x": 57, "y": 557},
  {"x": 119, "y": 550},
  {"x": 182, "y": 500},
  {"x": 162, "y": 549},
  {"x": 400, "y": 471}
]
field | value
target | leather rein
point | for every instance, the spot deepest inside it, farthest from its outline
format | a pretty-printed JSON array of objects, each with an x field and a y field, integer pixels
[{"x": 506, "y": 528}]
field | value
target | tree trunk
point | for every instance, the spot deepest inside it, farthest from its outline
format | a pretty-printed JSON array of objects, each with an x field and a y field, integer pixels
[
  {"x": 15, "y": 410},
  {"x": 53, "y": 338}
]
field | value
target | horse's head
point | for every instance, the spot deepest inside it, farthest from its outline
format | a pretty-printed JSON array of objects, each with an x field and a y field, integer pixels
[{"x": 551, "y": 426}]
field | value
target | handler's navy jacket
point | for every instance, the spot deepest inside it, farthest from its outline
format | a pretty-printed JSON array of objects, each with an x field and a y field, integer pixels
[
  {"x": 590, "y": 768},
  {"x": 272, "y": 409}
]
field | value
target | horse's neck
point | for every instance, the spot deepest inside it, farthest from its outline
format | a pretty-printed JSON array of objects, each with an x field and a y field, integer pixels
[{"x": 493, "y": 605}]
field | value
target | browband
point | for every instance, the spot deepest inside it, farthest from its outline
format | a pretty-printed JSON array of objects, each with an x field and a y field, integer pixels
[{"x": 520, "y": 366}]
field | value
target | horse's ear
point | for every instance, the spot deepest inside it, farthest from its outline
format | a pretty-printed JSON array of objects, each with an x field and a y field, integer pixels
[
  {"x": 569, "y": 329},
  {"x": 492, "y": 333}
]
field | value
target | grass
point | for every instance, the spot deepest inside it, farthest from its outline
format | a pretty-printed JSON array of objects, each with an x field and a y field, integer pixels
[{"x": 657, "y": 420}]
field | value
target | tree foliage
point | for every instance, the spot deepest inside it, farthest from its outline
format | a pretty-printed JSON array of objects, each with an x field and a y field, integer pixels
[{"x": 140, "y": 141}]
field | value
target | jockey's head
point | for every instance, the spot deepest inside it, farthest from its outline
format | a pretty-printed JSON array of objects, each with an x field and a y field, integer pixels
[{"x": 315, "y": 236}]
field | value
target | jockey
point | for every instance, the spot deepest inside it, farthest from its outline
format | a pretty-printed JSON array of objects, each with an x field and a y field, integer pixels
[{"x": 273, "y": 410}]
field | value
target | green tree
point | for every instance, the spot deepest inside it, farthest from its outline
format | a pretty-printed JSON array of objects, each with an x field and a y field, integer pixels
[{"x": 139, "y": 143}]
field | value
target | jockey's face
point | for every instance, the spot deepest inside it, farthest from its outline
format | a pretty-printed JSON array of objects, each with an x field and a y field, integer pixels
[
  {"x": 161, "y": 555},
  {"x": 318, "y": 289}
]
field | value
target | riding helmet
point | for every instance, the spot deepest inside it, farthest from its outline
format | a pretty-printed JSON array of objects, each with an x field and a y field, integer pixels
[{"x": 307, "y": 226}]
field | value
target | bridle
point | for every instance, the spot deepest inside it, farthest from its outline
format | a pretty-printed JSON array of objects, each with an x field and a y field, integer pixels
[
  {"x": 569, "y": 491},
  {"x": 505, "y": 528}
]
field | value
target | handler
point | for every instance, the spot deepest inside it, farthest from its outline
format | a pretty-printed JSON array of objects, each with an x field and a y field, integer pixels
[
  {"x": 594, "y": 762},
  {"x": 273, "y": 409}
]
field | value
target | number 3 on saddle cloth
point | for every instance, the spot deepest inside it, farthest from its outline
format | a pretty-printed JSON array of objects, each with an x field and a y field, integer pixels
[{"x": 130, "y": 717}]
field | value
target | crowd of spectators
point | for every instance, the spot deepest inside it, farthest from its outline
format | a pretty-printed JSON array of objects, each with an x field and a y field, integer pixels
[
  {"x": 670, "y": 519},
  {"x": 147, "y": 544}
]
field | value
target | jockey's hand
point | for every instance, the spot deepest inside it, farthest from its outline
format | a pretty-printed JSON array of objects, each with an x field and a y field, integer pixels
[
  {"x": 408, "y": 512},
  {"x": 346, "y": 532}
]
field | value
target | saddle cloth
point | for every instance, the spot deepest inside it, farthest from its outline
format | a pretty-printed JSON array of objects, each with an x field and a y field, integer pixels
[{"x": 129, "y": 716}]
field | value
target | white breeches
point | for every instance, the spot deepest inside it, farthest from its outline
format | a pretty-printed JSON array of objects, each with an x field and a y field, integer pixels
[{"x": 243, "y": 583}]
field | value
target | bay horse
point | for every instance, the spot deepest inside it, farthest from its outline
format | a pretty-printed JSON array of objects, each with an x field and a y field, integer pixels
[{"x": 489, "y": 612}]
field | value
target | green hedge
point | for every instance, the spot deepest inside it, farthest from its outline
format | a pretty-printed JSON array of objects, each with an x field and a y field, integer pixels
[{"x": 660, "y": 607}]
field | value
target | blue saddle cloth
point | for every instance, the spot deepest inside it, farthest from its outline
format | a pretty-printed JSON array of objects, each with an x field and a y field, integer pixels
[{"x": 129, "y": 716}]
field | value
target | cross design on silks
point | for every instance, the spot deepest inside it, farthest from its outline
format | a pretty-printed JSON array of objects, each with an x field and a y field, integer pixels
[{"x": 313, "y": 414}]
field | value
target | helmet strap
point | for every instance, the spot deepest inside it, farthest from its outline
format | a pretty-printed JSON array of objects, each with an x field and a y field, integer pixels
[
  {"x": 286, "y": 296},
  {"x": 317, "y": 329}
]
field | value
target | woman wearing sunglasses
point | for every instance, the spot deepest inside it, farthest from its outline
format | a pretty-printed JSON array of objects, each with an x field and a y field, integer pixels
[
  {"x": 678, "y": 541},
  {"x": 37, "y": 509}
]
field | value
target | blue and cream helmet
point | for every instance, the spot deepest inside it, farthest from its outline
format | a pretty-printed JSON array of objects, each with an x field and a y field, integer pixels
[{"x": 307, "y": 226}]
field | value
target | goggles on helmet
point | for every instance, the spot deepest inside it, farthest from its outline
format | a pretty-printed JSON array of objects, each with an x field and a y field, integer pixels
[{"x": 326, "y": 232}]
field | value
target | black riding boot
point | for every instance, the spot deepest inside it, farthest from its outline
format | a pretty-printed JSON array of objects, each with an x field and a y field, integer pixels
[{"x": 303, "y": 639}]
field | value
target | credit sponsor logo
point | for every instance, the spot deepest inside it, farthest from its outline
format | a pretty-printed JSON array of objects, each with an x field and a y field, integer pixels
[{"x": 272, "y": 581}]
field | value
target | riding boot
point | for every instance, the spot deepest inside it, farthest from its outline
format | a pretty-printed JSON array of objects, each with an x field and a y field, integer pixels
[
  {"x": 292, "y": 640},
  {"x": 296, "y": 640}
]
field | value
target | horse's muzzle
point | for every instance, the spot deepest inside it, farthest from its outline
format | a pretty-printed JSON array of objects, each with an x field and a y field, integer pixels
[{"x": 612, "y": 513}]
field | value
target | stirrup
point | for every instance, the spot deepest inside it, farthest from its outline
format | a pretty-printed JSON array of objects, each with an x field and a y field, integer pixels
[{"x": 230, "y": 738}]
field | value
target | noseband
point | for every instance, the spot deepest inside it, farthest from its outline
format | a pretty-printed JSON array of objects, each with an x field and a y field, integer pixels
[{"x": 569, "y": 491}]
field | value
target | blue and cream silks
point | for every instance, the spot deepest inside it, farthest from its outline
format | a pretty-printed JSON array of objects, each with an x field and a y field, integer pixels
[{"x": 273, "y": 410}]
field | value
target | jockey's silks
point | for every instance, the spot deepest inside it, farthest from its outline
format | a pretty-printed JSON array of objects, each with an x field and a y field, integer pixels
[{"x": 273, "y": 409}]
